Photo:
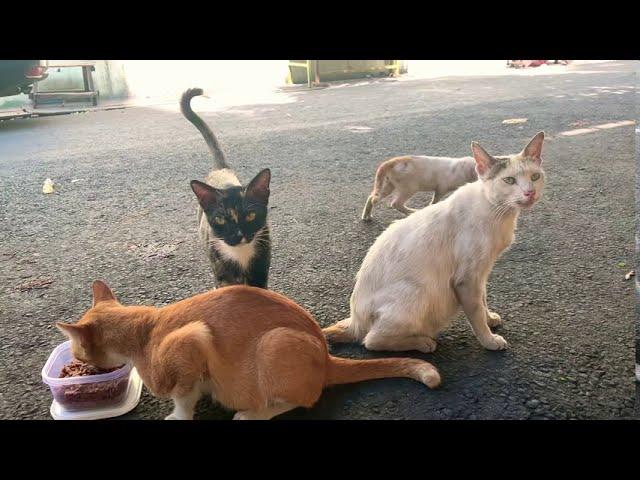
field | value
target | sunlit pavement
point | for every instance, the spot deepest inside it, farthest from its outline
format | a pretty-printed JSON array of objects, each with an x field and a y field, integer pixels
[{"x": 124, "y": 213}]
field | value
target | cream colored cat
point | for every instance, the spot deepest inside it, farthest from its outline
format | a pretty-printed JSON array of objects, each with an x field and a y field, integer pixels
[
  {"x": 403, "y": 177},
  {"x": 423, "y": 268}
]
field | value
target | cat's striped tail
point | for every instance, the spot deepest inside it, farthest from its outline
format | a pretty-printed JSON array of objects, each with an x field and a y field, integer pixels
[{"x": 219, "y": 158}]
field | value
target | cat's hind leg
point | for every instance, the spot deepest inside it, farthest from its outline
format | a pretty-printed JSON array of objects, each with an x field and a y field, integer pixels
[
  {"x": 397, "y": 343},
  {"x": 399, "y": 203},
  {"x": 291, "y": 368},
  {"x": 399, "y": 326}
]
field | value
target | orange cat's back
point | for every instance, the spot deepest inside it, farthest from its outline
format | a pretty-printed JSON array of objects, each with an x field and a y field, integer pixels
[
  {"x": 242, "y": 334},
  {"x": 239, "y": 312}
]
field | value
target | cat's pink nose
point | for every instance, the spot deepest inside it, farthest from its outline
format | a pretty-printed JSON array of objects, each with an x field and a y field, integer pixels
[{"x": 529, "y": 193}]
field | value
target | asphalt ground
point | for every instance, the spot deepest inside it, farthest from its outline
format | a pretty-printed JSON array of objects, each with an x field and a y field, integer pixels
[{"x": 124, "y": 212}]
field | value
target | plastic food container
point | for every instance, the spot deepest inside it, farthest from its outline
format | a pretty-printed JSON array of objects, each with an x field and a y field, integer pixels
[{"x": 91, "y": 392}]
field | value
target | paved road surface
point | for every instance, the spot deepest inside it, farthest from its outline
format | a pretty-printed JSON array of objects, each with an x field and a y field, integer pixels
[{"x": 130, "y": 219}]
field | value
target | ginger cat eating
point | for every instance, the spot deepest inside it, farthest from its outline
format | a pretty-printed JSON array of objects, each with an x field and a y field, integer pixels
[{"x": 255, "y": 351}]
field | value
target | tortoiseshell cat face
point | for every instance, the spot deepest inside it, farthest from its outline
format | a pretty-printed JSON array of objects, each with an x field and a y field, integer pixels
[{"x": 235, "y": 214}]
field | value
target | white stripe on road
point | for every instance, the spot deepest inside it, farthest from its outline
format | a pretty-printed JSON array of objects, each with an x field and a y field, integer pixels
[
  {"x": 577, "y": 131},
  {"x": 595, "y": 128},
  {"x": 616, "y": 124}
]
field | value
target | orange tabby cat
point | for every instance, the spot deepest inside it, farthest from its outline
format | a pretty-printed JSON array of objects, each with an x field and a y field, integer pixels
[{"x": 254, "y": 350}]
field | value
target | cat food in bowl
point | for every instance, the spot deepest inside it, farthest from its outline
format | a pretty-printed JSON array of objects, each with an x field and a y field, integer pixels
[{"x": 78, "y": 386}]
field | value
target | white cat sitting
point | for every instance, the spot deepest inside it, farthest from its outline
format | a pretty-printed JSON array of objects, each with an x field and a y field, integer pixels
[{"x": 423, "y": 268}]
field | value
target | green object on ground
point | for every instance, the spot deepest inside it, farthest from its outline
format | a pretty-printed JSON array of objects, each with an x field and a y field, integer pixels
[{"x": 331, "y": 70}]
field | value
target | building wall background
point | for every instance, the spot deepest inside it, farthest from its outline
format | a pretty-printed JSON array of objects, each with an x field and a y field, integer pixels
[{"x": 227, "y": 81}]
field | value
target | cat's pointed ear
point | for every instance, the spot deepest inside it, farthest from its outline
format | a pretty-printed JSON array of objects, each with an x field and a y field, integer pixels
[
  {"x": 534, "y": 148},
  {"x": 101, "y": 292},
  {"x": 484, "y": 161},
  {"x": 206, "y": 194},
  {"x": 258, "y": 188},
  {"x": 76, "y": 333}
]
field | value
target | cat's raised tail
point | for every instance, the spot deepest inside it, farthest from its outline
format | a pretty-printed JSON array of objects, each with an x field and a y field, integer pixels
[
  {"x": 219, "y": 158},
  {"x": 346, "y": 370}
]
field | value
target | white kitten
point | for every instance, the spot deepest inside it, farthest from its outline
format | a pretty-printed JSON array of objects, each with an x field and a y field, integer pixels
[
  {"x": 423, "y": 268},
  {"x": 405, "y": 176}
]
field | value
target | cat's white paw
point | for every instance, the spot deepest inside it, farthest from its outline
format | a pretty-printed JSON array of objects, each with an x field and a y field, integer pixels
[
  {"x": 495, "y": 342},
  {"x": 494, "y": 320},
  {"x": 175, "y": 416},
  {"x": 241, "y": 416}
]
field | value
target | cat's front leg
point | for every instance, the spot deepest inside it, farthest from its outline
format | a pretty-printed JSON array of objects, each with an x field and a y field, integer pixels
[
  {"x": 184, "y": 406},
  {"x": 470, "y": 295}
]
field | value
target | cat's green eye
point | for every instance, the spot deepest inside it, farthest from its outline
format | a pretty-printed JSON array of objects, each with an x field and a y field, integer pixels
[
  {"x": 509, "y": 180},
  {"x": 251, "y": 216},
  {"x": 535, "y": 177},
  {"x": 220, "y": 220}
]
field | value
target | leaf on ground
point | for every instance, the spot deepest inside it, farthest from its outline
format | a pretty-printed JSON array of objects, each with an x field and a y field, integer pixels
[
  {"x": 621, "y": 264},
  {"x": 48, "y": 187},
  {"x": 36, "y": 284},
  {"x": 514, "y": 121}
]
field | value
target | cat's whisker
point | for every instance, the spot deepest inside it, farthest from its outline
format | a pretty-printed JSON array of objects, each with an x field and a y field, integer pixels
[
  {"x": 506, "y": 210},
  {"x": 497, "y": 211},
  {"x": 500, "y": 210}
]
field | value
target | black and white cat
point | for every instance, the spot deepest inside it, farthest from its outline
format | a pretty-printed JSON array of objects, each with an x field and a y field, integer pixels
[{"x": 232, "y": 219}]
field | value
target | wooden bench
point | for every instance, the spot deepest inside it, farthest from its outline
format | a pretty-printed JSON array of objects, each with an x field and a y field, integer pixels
[{"x": 89, "y": 93}]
